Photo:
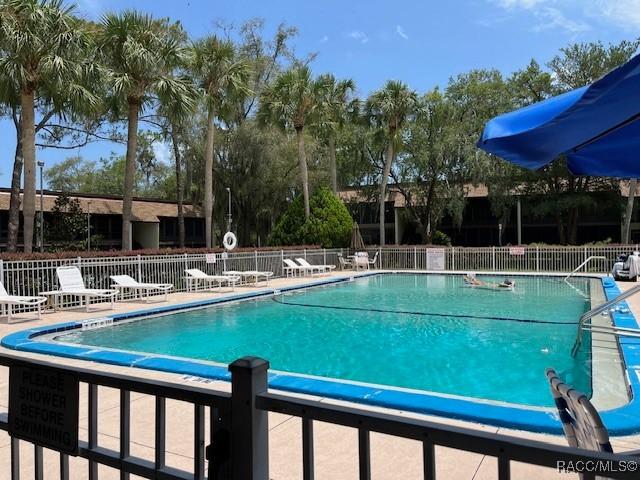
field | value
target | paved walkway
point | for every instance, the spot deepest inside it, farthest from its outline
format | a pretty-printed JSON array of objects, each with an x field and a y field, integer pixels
[{"x": 335, "y": 447}]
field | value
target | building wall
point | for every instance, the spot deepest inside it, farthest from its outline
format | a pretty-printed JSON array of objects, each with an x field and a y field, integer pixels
[
  {"x": 480, "y": 227},
  {"x": 146, "y": 235},
  {"x": 106, "y": 231}
]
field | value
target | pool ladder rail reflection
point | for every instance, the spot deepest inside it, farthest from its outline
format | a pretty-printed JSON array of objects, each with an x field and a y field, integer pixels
[{"x": 584, "y": 322}]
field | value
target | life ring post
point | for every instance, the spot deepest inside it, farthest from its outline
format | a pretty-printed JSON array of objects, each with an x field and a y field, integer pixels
[{"x": 229, "y": 241}]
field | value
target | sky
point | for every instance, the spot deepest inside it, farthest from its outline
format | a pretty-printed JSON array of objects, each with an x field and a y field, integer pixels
[{"x": 423, "y": 43}]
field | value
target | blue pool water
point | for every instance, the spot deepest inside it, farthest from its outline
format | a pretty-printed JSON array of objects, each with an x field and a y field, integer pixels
[{"x": 425, "y": 332}]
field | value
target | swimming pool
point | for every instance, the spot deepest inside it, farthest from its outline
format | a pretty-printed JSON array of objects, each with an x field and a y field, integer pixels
[
  {"x": 424, "y": 332},
  {"x": 416, "y": 342}
]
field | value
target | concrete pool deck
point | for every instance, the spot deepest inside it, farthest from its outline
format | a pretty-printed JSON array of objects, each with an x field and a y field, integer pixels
[{"x": 336, "y": 447}]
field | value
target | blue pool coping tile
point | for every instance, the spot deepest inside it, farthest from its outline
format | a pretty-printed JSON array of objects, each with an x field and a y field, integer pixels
[{"x": 624, "y": 420}]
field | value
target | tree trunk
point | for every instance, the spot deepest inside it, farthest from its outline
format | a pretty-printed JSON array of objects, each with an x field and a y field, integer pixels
[
  {"x": 188, "y": 178},
  {"x": 304, "y": 174},
  {"x": 130, "y": 175},
  {"x": 333, "y": 174},
  {"x": 383, "y": 189},
  {"x": 29, "y": 153},
  {"x": 572, "y": 227},
  {"x": 560, "y": 227},
  {"x": 179, "y": 188},
  {"x": 626, "y": 234},
  {"x": 208, "y": 180},
  {"x": 14, "y": 201}
]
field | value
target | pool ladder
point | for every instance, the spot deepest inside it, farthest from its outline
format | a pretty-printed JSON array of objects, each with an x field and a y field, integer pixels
[
  {"x": 593, "y": 257},
  {"x": 583, "y": 325}
]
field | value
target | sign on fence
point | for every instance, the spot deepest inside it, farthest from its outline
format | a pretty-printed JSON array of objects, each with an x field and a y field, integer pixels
[
  {"x": 516, "y": 250},
  {"x": 210, "y": 257},
  {"x": 43, "y": 407},
  {"x": 435, "y": 259}
]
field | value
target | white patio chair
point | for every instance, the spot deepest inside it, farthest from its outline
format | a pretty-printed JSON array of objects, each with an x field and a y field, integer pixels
[
  {"x": 345, "y": 264},
  {"x": 291, "y": 268},
  {"x": 372, "y": 262},
  {"x": 361, "y": 261},
  {"x": 125, "y": 282},
  {"x": 197, "y": 276},
  {"x": 8, "y": 301},
  {"x": 317, "y": 268},
  {"x": 247, "y": 275},
  {"x": 72, "y": 284}
]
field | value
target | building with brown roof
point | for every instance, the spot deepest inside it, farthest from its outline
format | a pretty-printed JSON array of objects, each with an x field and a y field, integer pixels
[
  {"x": 480, "y": 226},
  {"x": 155, "y": 222}
]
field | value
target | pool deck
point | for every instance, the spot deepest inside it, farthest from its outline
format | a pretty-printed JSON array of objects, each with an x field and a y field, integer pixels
[{"x": 335, "y": 447}]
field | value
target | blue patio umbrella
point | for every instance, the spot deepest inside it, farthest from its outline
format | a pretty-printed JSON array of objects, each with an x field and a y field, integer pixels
[{"x": 597, "y": 128}]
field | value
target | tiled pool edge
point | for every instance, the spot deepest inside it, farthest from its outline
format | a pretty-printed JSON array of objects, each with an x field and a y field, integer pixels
[{"x": 620, "y": 421}]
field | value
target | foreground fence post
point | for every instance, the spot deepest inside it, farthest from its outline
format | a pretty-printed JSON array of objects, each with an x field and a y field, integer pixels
[{"x": 249, "y": 427}]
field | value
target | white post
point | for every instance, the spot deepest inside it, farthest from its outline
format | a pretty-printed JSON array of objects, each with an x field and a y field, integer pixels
[
  {"x": 519, "y": 219},
  {"x": 282, "y": 261},
  {"x": 537, "y": 259},
  {"x": 305, "y": 253},
  {"x": 493, "y": 258},
  {"x": 256, "y": 256},
  {"x": 453, "y": 259},
  {"x": 380, "y": 255},
  {"x": 415, "y": 258},
  {"x": 139, "y": 264}
]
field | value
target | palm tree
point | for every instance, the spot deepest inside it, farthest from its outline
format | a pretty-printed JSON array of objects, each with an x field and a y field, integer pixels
[
  {"x": 10, "y": 99},
  {"x": 631, "y": 196},
  {"x": 172, "y": 125},
  {"x": 220, "y": 73},
  {"x": 293, "y": 101},
  {"x": 389, "y": 109},
  {"x": 141, "y": 54},
  {"x": 44, "y": 47},
  {"x": 335, "y": 103}
]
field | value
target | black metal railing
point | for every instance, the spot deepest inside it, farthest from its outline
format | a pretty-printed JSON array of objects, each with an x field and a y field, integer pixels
[
  {"x": 238, "y": 445},
  {"x": 218, "y": 404}
]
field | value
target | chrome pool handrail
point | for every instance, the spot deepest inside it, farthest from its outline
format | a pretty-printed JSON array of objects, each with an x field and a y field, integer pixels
[
  {"x": 596, "y": 311},
  {"x": 592, "y": 257}
]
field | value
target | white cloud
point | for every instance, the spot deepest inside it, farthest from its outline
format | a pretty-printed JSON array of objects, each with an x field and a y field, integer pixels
[
  {"x": 359, "y": 36},
  {"x": 324, "y": 39},
  {"x": 552, "y": 17},
  {"x": 624, "y": 13},
  {"x": 572, "y": 15},
  {"x": 549, "y": 14},
  {"x": 400, "y": 31},
  {"x": 519, "y": 3},
  {"x": 162, "y": 152}
]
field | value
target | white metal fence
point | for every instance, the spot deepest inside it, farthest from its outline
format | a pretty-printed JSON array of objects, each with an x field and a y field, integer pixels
[
  {"x": 501, "y": 259},
  {"x": 29, "y": 277}
]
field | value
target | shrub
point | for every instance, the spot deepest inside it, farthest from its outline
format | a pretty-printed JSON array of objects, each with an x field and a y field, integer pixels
[
  {"x": 329, "y": 224},
  {"x": 440, "y": 238}
]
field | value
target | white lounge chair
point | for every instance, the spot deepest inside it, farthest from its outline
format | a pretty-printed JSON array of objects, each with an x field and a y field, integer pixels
[
  {"x": 8, "y": 301},
  {"x": 72, "y": 284},
  {"x": 317, "y": 268},
  {"x": 195, "y": 276},
  {"x": 247, "y": 275},
  {"x": 291, "y": 268},
  {"x": 125, "y": 282}
]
